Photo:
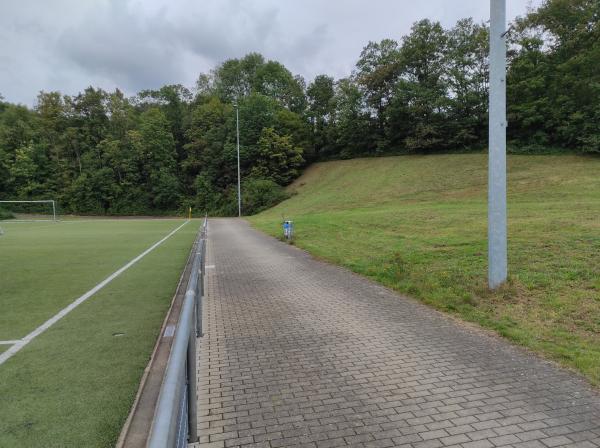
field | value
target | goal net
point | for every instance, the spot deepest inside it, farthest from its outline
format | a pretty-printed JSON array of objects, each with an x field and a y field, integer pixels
[{"x": 28, "y": 210}]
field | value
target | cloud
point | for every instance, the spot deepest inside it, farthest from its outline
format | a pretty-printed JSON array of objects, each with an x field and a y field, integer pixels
[
  {"x": 119, "y": 44},
  {"x": 68, "y": 45}
]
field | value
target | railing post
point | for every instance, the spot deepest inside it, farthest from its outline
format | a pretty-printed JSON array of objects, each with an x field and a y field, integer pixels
[
  {"x": 163, "y": 433},
  {"x": 166, "y": 430},
  {"x": 192, "y": 399},
  {"x": 200, "y": 284},
  {"x": 199, "y": 287}
]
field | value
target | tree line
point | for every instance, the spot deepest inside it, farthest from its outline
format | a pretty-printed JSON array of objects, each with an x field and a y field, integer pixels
[{"x": 166, "y": 149}]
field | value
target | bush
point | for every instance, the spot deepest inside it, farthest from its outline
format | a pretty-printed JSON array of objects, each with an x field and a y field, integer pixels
[
  {"x": 5, "y": 214},
  {"x": 261, "y": 194},
  {"x": 258, "y": 194}
]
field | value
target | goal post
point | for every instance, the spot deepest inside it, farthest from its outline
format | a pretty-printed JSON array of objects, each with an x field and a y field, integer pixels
[{"x": 40, "y": 210}]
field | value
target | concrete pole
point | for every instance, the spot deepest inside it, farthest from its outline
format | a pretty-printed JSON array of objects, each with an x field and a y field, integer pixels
[
  {"x": 237, "y": 131},
  {"x": 497, "y": 234}
]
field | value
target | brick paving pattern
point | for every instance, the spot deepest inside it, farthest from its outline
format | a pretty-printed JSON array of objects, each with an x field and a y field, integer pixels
[{"x": 299, "y": 353}]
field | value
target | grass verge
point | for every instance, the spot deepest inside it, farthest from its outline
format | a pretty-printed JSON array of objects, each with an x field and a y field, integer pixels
[{"x": 418, "y": 224}]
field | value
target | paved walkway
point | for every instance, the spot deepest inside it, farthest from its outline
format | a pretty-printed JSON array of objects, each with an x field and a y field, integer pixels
[{"x": 301, "y": 353}]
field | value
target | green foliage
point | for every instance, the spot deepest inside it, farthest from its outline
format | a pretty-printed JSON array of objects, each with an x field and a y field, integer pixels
[
  {"x": 257, "y": 195},
  {"x": 377, "y": 72},
  {"x": 207, "y": 198},
  {"x": 100, "y": 152},
  {"x": 238, "y": 78},
  {"x": 351, "y": 131},
  {"x": 5, "y": 214},
  {"x": 261, "y": 194},
  {"x": 553, "y": 84},
  {"x": 321, "y": 111},
  {"x": 277, "y": 158}
]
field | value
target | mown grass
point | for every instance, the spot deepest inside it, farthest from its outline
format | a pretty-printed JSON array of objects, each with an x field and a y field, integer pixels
[
  {"x": 418, "y": 224},
  {"x": 73, "y": 386}
]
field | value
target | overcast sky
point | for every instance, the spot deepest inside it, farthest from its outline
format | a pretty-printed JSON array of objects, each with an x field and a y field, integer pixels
[{"x": 68, "y": 45}]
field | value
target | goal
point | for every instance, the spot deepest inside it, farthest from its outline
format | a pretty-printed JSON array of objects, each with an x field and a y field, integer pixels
[{"x": 28, "y": 210}]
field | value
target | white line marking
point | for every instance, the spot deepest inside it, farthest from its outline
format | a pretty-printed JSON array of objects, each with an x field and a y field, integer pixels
[
  {"x": 73, "y": 221},
  {"x": 10, "y": 342},
  {"x": 62, "y": 313},
  {"x": 27, "y": 221}
]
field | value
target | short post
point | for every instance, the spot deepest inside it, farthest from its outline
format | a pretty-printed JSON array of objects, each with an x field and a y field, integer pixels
[
  {"x": 497, "y": 233},
  {"x": 53, "y": 210},
  {"x": 288, "y": 230}
]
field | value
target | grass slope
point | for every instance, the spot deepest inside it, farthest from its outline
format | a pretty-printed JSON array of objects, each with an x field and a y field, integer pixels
[
  {"x": 418, "y": 224},
  {"x": 73, "y": 386}
]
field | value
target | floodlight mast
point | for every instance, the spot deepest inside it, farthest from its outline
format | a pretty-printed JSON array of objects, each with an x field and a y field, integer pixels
[
  {"x": 237, "y": 133},
  {"x": 497, "y": 233}
]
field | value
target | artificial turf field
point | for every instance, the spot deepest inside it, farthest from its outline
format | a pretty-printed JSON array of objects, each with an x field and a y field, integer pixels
[{"x": 74, "y": 384}]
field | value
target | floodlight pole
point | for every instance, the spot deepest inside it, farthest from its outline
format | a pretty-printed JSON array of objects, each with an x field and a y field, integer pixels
[
  {"x": 237, "y": 132},
  {"x": 497, "y": 234}
]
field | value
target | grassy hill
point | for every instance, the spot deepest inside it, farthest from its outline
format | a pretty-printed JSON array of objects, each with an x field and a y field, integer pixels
[{"x": 418, "y": 224}]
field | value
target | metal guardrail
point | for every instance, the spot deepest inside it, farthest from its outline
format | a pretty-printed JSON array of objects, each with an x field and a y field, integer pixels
[{"x": 175, "y": 416}]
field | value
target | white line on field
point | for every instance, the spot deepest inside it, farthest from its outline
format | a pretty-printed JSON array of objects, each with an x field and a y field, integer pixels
[
  {"x": 74, "y": 221},
  {"x": 26, "y": 221},
  {"x": 62, "y": 313},
  {"x": 9, "y": 342}
]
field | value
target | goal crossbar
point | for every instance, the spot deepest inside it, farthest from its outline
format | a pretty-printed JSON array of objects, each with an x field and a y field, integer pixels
[{"x": 46, "y": 201}]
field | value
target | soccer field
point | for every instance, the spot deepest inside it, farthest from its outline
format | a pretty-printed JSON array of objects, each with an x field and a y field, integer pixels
[{"x": 74, "y": 378}]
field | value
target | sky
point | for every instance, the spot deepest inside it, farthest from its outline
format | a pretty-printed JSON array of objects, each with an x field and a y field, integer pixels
[{"x": 68, "y": 45}]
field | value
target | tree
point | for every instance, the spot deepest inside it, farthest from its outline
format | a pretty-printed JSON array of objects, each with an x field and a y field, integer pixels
[
  {"x": 418, "y": 112},
  {"x": 275, "y": 81},
  {"x": 290, "y": 123},
  {"x": 89, "y": 115},
  {"x": 466, "y": 78},
  {"x": 92, "y": 192},
  {"x": 236, "y": 78},
  {"x": 173, "y": 100},
  {"x": 377, "y": 70},
  {"x": 556, "y": 51},
  {"x": 211, "y": 128},
  {"x": 260, "y": 194},
  {"x": 352, "y": 131},
  {"x": 277, "y": 159},
  {"x": 155, "y": 148},
  {"x": 239, "y": 78},
  {"x": 321, "y": 110},
  {"x": 25, "y": 172}
]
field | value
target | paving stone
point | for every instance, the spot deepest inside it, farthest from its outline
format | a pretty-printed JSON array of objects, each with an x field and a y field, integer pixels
[
  {"x": 556, "y": 441},
  {"x": 298, "y": 352}
]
